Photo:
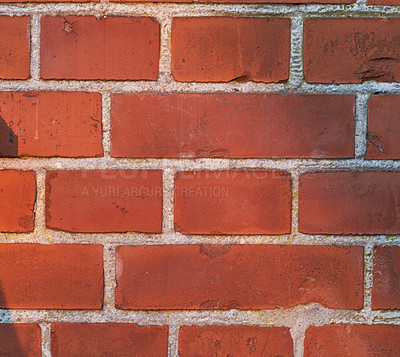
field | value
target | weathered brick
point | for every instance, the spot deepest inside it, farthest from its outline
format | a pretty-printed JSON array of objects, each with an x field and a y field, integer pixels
[
  {"x": 17, "y": 201},
  {"x": 104, "y": 201},
  {"x": 280, "y": 126},
  {"x": 14, "y": 47},
  {"x": 349, "y": 202},
  {"x": 83, "y": 47},
  {"x": 386, "y": 290},
  {"x": 346, "y": 50},
  {"x": 205, "y": 341},
  {"x": 232, "y": 202},
  {"x": 57, "y": 276},
  {"x": 20, "y": 340},
  {"x": 50, "y": 124},
  {"x": 112, "y": 339},
  {"x": 352, "y": 340},
  {"x": 223, "y": 49},
  {"x": 248, "y": 277},
  {"x": 383, "y": 137}
]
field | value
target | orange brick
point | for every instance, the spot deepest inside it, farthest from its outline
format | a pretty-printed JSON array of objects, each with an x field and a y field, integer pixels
[
  {"x": 104, "y": 201},
  {"x": 346, "y": 50},
  {"x": 222, "y": 49},
  {"x": 49, "y": 124},
  {"x": 14, "y": 47},
  {"x": 205, "y": 341},
  {"x": 352, "y": 340},
  {"x": 349, "y": 202},
  {"x": 17, "y": 201},
  {"x": 113, "y": 339},
  {"x": 83, "y": 47}
]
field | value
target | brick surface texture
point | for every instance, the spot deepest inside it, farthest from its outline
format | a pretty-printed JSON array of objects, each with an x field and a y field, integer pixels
[{"x": 184, "y": 178}]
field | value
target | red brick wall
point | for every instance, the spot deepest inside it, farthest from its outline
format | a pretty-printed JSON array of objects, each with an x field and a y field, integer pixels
[{"x": 200, "y": 178}]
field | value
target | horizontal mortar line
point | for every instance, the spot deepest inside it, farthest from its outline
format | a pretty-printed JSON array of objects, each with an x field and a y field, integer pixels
[
  {"x": 175, "y": 238},
  {"x": 195, "y": 9},
  {"x": 313, "y": 314},
  {"x": 206, "y": 164},
  {"x": 161, "y": 87}
]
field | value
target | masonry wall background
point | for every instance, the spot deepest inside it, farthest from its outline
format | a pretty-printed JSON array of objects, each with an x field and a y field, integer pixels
[{"x": 200, "y": 179}]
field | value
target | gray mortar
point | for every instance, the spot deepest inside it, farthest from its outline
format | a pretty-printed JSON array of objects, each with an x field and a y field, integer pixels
[{"x": 297, "y": 318}]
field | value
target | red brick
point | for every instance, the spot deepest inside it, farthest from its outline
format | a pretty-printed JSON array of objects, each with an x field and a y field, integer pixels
[
  {"x": 57, "y": 276},
  {"x": 50, "y": 124},
  {"x": 383, "y": 138},
  {"x": 104, "y": 201},
  {"x": 14, "y": 47},
  {"x": 205, "y": 341},
  {"x": 238, "y": 277},
  {"x": 117, "y": 340},
  {"x": 351, "y": 50},
  {"x": 232, "y": 202},
  {"x": 20, "y": 340},
  {"x": 295, "y": 126},
  {"x": 383, "y": 2},
  {"x": 222, "y": 49},
  {"x": 83, "y": 47},
  {"x": 349, "y": 202},
  {"x": 386, "y": 284},
  {"x": 17, "y": 201},
  {"x": 352, "y": 340}
]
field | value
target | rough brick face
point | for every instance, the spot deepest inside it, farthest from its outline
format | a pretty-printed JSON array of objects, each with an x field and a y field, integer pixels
[
  {"x": 383, "y": 137},
  {"x": 222, "y": 49},
  {"x": 117, "y": 340},
  {"x": 294, "y": 126},
  {"x": 50, "y": 124},
  {"x": 386, "y": 290},
  {"x": 232, "y": 202},
  {"x": 352, "y": 340},
  {"x": 17, "y": 201},
  {"x": 349, "y": 203},
  {"x": 234, "y": 277},
  {"x": 58, "y": 276},
  {"x": 104, "y": 201},
  {"x": 14, "y": 47},
  {"x": 82, "y": 47},
  {"x": 20, "y": 340},
  {"x": 247, "y": 1},
  {"x": 351, "y": 50},
  {"x": 205, "y": 341}
]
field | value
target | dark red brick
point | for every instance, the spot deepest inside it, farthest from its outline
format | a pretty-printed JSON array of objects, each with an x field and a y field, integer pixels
[
  {"x": 383, "y": 137},
  {"x": 20, "y": 340},
  {"x": 386, "y": 285},
  {"x": 248, "y": 277},
  {"x": 280, "y": 126},
  {"x": 57, "y": 276}
]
